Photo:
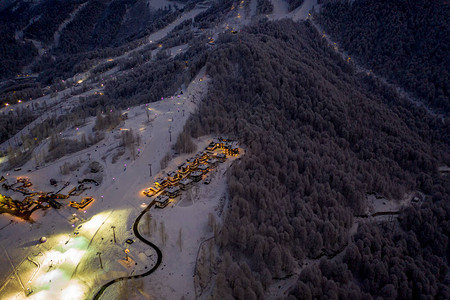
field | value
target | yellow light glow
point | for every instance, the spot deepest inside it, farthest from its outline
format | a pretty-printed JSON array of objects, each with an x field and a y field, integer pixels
[
  {"x": 41, "y": 295},
  {"x": 53, "y": 257},
  {"x": 73, "y": 292},
  {"x": 93, "y": 224},
  {"x": 50, "y": 277},
  {"x": 74, "y": 255}
]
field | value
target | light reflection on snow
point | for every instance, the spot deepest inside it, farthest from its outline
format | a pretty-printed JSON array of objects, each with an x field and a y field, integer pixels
[
  {"x": 54, "y": 279},
  {"x": 74, "y": 255},
  {"x": 73, "y": 291},
  {"x": 94, "y": 223}
]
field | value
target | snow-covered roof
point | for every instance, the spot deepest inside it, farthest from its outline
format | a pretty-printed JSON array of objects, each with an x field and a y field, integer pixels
[
  {"x": 203, "y": 167},
  {"x": 185, "y": 181},
  {"x": 162, "y": 198},
  {"x": 67, "y": 189},
  {"x": 172, "y": 189},
  {"x": 171, "y": 173},
  {"x": 196, "y": 173}
]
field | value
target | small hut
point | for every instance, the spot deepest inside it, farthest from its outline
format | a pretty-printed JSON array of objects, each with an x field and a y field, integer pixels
[
  {"x": 172, "y": 191},
  {"x": 185, "y": 184},
  {"x": 204, "y": 168},
  {"x": 161, "y": 201},
  {"x": 196, "y": 176}
]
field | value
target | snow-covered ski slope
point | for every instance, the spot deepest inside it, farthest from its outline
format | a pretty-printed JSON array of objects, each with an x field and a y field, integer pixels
[{"x": 68, "y": 262}]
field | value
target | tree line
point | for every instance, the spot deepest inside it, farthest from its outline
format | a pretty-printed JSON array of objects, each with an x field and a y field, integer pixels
[{"x": 318, "y": 138}]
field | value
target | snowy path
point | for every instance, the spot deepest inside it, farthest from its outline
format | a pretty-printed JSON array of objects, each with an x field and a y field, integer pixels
[
  {"x": 301, "y": 13},
  {"x": 63, "y": 25},
  {"x": 361, "y": 69},
  {"x": 158, "y": 35},
  {"x": 280, "y": 9}
]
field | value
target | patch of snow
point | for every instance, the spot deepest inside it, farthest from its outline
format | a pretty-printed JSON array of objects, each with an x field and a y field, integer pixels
[
  {"x": 302, "y": 12},
  {"x": 253, "y": 8},
  {"x": 280, "y": 9},
  {"x": 162, "y": 4}
]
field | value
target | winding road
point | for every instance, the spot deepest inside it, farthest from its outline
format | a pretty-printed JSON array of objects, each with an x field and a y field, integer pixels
[{"x": 140, "y": 237}]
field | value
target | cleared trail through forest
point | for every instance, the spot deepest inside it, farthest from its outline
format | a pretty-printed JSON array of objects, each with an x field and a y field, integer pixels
[{"x": 361, "y": 69}]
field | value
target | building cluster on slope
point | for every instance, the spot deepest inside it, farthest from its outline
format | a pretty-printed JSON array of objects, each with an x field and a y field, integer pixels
[
  {"x": 33, "y": 200},
  {"x": 193, "y": 170}
]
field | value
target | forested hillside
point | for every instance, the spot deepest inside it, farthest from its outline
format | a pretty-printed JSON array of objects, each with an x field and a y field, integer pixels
[
  {"x": 50, "y": 14},
  {"x": 13, "y": 54},
  {"x": 83, "y": 29},
  {"x": 317, "y": 140},
  {"x": 406, "y": 41}
]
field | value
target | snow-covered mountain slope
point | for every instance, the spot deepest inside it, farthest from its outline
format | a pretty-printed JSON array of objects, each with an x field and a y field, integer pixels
[{"x": 68, "y": 262}]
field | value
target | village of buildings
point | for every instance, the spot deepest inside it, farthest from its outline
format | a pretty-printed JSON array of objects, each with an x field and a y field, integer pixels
[
  {"x": 19, "y": 199},
  {"x": 192, "y": 171}
]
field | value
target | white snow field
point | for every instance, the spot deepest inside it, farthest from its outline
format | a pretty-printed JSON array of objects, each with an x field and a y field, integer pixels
[{"x": 66, "y": 264}]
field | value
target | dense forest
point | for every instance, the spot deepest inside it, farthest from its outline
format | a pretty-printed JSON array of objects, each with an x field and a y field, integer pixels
[
  {"x": 72, "y": 32},
  {"x": 264, "y": 6},
  {"x": 406, "y": 41},
  {"x": 214, "y": 14},
  {"x": 51, "y": 14},
  {"x": 13, "y": 53},
  {"x": 318, "y": 138}
]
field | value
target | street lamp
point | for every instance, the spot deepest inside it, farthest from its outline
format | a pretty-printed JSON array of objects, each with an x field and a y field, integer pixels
[
  {"x": 114, "y": 233},
  {"x": 100, "y": 258},
  {"x": 126, "y": 253}
]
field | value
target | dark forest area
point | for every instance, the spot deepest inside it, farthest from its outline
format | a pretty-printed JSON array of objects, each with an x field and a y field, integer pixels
[
  {"x": 72, "y": 33},
  {"x": 406, "y": 41},
  {"x": 50, "y": 15},
  {"x": 318, "y": 138},
  {"x": 13, "y": 54}
]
